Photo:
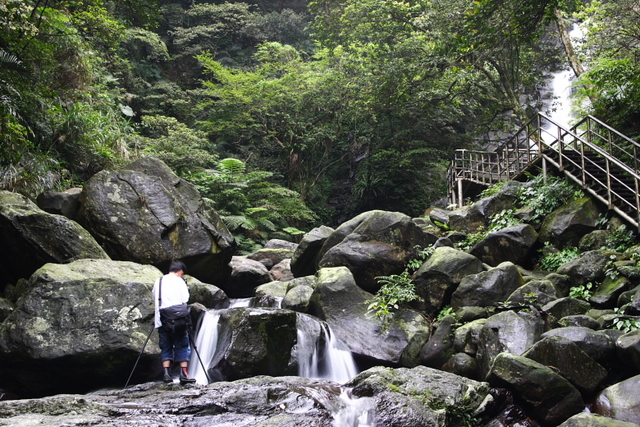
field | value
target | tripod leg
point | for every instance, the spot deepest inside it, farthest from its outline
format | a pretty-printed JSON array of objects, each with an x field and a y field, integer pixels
[
  {"x": 193, "y": 344},
  {"x": 140, "y": 354}
]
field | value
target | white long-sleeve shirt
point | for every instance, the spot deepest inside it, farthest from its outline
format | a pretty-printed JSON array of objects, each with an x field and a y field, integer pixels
[{"x": 174, "y": 292}]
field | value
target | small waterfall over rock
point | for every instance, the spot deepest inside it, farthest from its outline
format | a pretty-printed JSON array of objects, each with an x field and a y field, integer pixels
[
  {"x": 318, "y": 353},
  {"x": 321, "y": 355}
]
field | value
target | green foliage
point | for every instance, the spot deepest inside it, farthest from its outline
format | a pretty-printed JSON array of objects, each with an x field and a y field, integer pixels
[
  {"x": 397, "y": 290},
  {"x": 624, "y": 324},
  {"x": 553, "y": 260},
  {"x": 544, "y": 195},
  {"x": 473, "y": 238},
  {"x": 492, "y": 190},
  {"x": 620, "y": 239},
  {"x": 503, "y": 219},
  {"x": 183, "y": 149},
  {"x": 249, "y": 203},
  {"x": 583, "y": 292},
  {"x": 446, "y": 311}
]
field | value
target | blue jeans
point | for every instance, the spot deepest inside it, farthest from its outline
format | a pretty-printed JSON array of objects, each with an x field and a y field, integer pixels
[{"x": 173, "y": 348}]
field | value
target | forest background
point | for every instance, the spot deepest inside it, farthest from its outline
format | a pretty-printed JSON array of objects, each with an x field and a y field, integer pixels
[{"x": 289, "y": 113}]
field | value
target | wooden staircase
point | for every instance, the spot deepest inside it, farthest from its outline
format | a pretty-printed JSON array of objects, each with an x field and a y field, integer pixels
[{"x": 602, "y": 160}]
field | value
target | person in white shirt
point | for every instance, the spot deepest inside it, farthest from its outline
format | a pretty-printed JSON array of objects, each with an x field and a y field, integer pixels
[{"x": 173, "y": 348}]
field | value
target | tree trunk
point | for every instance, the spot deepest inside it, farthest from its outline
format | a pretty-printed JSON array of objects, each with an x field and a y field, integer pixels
[{"x": 568, "y": 45}]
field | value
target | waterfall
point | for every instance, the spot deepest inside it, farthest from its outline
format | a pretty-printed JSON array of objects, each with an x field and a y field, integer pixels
[
  {"x": 355, "y": 412},
  {"x": 559, "y": 107},
  {"x": 206, "y": 342},
  {"x": 321, "y": 355}
]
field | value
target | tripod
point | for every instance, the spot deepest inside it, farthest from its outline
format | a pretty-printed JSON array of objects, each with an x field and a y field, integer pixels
[{"x": 193, "y": 345}]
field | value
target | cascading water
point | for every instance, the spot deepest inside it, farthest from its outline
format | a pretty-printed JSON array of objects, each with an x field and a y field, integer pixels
[
  {"x": 559, "y": 107},
  {"x": 320, "y": 355}
]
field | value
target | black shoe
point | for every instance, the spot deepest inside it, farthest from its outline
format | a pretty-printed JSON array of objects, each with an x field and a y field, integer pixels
[
  {"x": 167, "y": 378},
  {"x": 186, "y": 380}
]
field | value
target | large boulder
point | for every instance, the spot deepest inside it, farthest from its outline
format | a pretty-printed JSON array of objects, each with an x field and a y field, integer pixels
[
  {"x": 252, "y": 341},
  {"x": 588, "y": 267},
  {"x": 375, "y": 243},
  {"x": 570, "y": 361},
  {"x": 488, "y": 287},
  {"x": 32, "y": 237},
  {"x": 145, "y": 213},
  {"x": 506, "y": 332},
  {"x": 339, "y": 301},
  {"x": 65, "y": 203},
  {"x": 628, "y": 349},
  {"x": 596, "y": 344},
  {"x": 246, "y": 276},
  {"x": 79, "y": 327},
  {"x": 420, "y": 396},
  {"x": 550, "y": 397},
  {"x": 515, "y": 244},
  {"x": 620, "y": 401},
  {"x": 440, "y": 275},
  {"x": 305, "y": 257},
  {"x": 565, "y": 226},
  {"x": 585, "y": 419}
]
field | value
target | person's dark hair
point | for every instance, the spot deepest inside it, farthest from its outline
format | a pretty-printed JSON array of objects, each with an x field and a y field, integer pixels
[{"x": 177, "y": 266}]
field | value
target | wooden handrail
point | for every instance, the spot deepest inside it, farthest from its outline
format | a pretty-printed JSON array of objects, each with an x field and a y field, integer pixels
[{"x": 544, "y": 140}]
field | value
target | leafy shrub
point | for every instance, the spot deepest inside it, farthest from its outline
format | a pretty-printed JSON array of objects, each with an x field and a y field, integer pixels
[
  {"x": 544, "y": 197},
  {"x": 582, "y": 292},
  {"x": 620, "y": 239},
  {"x": 503, "y": 219},
  {"x": 553, "y": 261}
]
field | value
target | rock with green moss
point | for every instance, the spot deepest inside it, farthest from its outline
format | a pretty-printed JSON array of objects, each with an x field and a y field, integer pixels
[
  {"x": 565, "y": 226},
  {"x": 339, "y": 301},
  {"x": 549, "y": 397},
  {"x": 89, "y": 316},
  {"x": 488, "y": 287},
  {"x": 32, "y": 237},
  {"x": 421, "y": 396},
  {"x": 145, "y": 213},
  {"x": 620, "y": 401}
]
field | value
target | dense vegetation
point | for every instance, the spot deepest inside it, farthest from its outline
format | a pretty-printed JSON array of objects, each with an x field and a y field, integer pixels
[{"x": 329, "y": 107}]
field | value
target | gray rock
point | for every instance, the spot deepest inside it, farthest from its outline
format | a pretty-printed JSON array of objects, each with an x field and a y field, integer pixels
[
  {"x": 515, "y": 244},
  {"x": 594, "y": 420},
  {"x": 595, "y": 343},
  {"x": 607, "y": 293},
  {"x": 258, "y": 402},
  {"x": 280, "y": 244},
  {"x": 420, "y": 396},
  {"x": 281, "y": 271},
  {"x": 91, "y": 316},
  {"x": 550, "y": 397},
  {"x": 466, "y": 337},
  {"x": 65, "y": 203},
  {"x": 254, "y": 341},
  {"x": 32, "y": 237},
  {"x": 271, "y": 256},
  {"x": 565, "y": 226},
  {"x": 374, "y": 243},
  {"x": 210, "y": 296},
  {"x": 488, "y": 287},
  {"x": 305, "y": 258},
  {"x": 620, "y": 401},
  {"x": 462, "y": 364},
  {"x": 145, "y": 213},
  {"x": 439, "y": 348},
  {"x": 563, "y": 307},
  {"x": 507, "y": 331},
  {"x": 440, "y": 275},
  {"x": 581, "y": 320},
  {"x": 246, "y": 275},
  {"x": 628, "y": 348},
  {"x": 299, "y": 293},
  {"x": 537, "y": 292},
  {"x": 344, "y": 306},
  {"x": 588, "y": 267},
  {"x": 569, "y": 361}
]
